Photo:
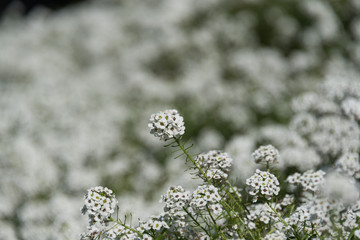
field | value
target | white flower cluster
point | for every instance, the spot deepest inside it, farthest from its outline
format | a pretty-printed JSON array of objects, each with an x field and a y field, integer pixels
[
  {"x": 261, "y": 213},
  {"x": 167, "y": 124},
  {"x": 328, "y": 118},
  {"x": 155, "y": 223},
  {"x": 266, "y": 155},
  {"x": 206, "y": 196},
  {"x": 60, "y": 130},
  {"x": 335, "y": 135},
  {"x": 175, "y": 199},
  {"x": 216, "y": 164},
  {"x": 265, "y": 183},
  {"x": 309, "y": 180},
  {"x": 100, "y": 203},
  {"x": 173, "y": 225},
  {"x": 350, "y": 164},
  {"x": 357, "y": 233},
  {"x": 120, "y": 232},
  {"x": 277, "y": 235},
  {"x": 313, "y": 213},
  {"x": 351, "y": 107}
]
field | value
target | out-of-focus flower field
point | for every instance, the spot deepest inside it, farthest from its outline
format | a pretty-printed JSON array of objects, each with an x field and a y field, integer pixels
[{"x": 77, "y": 88}]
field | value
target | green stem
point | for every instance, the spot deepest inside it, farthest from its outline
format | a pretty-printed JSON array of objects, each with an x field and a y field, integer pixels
[
  {"x": 195, "y": 221},
  {"x": 205, "y": 177},
  {"x": 192, "y": 160},
  {"x": 127, "y": 227},
  {"x": 283, "y": 221},
  {"x": 242, "y": 221}
]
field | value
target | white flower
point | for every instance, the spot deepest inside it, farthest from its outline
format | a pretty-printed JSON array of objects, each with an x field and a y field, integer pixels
[
  {"x": 266, "y": 155},
  {"x": 175, "y": 199},
  {"x": 157, "y": 225},
  {"x": 100, "y": 203},
  {"x": 216, "y": 208},
  {"x": 203, "y": 195},
  {"x": 216, "y": 164},
  {"x": 351, "y": 107},
  {"x": 251, "y": 225},
  {"x": 277, "y": 235},
  {"x": 309, "y": 180},
  {"x": 349, "y": 163},
  {"x": 357, "y": 233},
  {"x": 265, "y": 183},
  {"x": 167, "y": 124},
  {"x": 147, "y": 237}
]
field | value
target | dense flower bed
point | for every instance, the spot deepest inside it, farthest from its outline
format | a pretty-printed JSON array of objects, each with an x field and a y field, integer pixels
[{"x": 78, "y": 86}]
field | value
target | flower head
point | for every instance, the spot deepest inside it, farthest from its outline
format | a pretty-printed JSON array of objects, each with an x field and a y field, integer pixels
[
  {"x": 309, "y": 180},
  {"x": 264, "y": 183},
  {"x": 100, "y": 203},
  {"x": 266, "y": 155},
  {"x": 167, "y": 124},
  {"x": 206, "y": 196},
  {"x": 216, "y": 164}
]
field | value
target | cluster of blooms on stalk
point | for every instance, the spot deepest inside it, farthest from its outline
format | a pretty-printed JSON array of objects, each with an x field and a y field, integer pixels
[
  {"x": 216, "y": 165},
  {"x": 309, "y": 180},
  {"x": 167, "y": 124},
  {"x": 216, "y": 209},
  {"x": 266, "y": 155},
  {"x": 100, "y": 203},
  {"x": 206, "y": 197},
  {"x": 263, "y": 183}
]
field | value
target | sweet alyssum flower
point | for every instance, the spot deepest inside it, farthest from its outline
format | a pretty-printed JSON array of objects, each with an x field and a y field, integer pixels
[
  {"x": 206, "y": 196},
  {"x": 350, "y": 164},
  {"x": 309, "y": 180},
  {"x": 175, "y": 199},
  {"x": 264, "y": 183},
  {"x": 275, "y": 236},
  {"x": 167, "y": 124},
  {"x": 216, "y": 164},
  {"x": 266, "y": 155},
  {"x": 100, "y": 203}
]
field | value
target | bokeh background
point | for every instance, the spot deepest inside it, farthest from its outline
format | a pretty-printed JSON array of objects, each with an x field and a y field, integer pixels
[{"x": 80, "y": 79}]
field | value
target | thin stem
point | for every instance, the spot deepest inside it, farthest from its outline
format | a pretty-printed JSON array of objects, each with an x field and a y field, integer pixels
[
  {"x": 283, "y": 221},
  {"x": 192, "y": 160},
  {"x": 127, "y": 227},
  {"x": 197, "y": 223},
  {"x": 205, "y": 177},
  {"x": 242, "y": 221}
]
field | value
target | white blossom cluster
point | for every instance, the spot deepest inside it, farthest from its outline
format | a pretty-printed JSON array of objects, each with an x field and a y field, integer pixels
[
  {"x": 167, "y": 124},
  {"x": 351, "y": 107},
  {"x": 74, "y": 85},
  {"x": 100, "y": 203},
  {"x": 261, "y": 213},
  {"x": 155, "y": 223},
  {"x": 175, "y": 199},
  {"x": 313, "y": 213},
  {"x": 327, "y": 118},
  {"x": 206, "y": 196},
  {"x": 174, "y": 225},
  {"x": 266, "y": 155},
  {"x": 264, "y": 183},
  {"x": 309, "y": 180},
  {"x": 118, "y": 230},
  {"x": 350, "y": 164},
  {"x": 215, "y": 164},
  {"x": 277, "y": 235},
  {"x": 114, "y": 232}
]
